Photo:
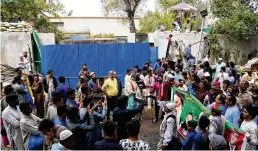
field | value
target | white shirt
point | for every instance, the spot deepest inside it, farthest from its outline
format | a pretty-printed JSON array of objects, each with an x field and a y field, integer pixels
[
  {"x": 184, "y": 88},
  {"x": 222, "y": 76},
  {"x": 51, "y": 112},
  {"x": 127, "y": 77},
  {"x": 134, "y": 145},
  {"x": 11, "y": 118},
  {"x": 29, "y": 126},
  {"x": 218, "y": 68},
  {"x": 250, "y": 128},
  {"x": 199, "y": 72}
]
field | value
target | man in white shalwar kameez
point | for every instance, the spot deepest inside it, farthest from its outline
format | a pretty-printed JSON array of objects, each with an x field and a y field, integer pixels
[
  {"x": 11, "y": 117},
  {"x": 218, "y": 68}
]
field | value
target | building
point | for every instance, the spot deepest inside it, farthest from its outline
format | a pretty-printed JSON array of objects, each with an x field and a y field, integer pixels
[{"x": 93, "y": 25}]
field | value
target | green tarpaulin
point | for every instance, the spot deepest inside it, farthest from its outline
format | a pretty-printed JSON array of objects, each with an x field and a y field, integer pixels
[{"x": 36, "y": 48}]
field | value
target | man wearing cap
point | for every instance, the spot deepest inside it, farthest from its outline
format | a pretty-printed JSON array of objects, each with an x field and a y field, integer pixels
[
  {"x": 218, "y": 67},
  {"x": 110, "y": 88},
  {"x": 217, "y": 125},
  {"x": 168, "y": 128},
  {"x": 66, "y": 141},
  {"x": 217, "y": 142},
  {"x": 169, "y": 71},
  {"x": 52, "y": 132},
  {"x": 25, "y": 62},
  {"x": 93, "y": 83}
]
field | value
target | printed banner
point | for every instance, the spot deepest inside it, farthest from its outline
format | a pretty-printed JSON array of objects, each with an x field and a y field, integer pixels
[{"x": 187, "y": 107}]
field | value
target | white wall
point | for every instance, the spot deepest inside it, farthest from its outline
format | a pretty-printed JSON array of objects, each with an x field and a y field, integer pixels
[
  {"x": 47, "y": 38},
  {"x": 13, "y": 44},
  {"x": 95, "y": 25}
]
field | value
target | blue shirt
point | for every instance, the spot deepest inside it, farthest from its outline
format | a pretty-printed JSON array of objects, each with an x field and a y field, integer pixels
[
  {"x": 201, "y": 141},
  {"x": 70, "y": 102},
  {"x": 58, "y": 121},
  {"x": 27, "y": 97},
  {"x": 156, "y": 66},
  {"x": 188, "y": 142},
  {"x": 178, "y": 76},
  {"x": 58, "y": 146},
  {"x": 63, "y": 89},
  {"x": 92, "y": 84},
  {"x": 107, "y": 144},
  {"x": 232, "y": 114}
]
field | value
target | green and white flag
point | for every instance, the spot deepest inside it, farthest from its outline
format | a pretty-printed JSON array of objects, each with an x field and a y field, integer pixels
[{"x": 187, "y": 107}]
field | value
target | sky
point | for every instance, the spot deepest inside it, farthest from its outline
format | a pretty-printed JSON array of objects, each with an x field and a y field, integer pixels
[{"x": 92, "y": 8}]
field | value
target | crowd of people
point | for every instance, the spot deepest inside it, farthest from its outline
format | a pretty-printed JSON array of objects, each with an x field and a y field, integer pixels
[{"x": 42, "y": 114}]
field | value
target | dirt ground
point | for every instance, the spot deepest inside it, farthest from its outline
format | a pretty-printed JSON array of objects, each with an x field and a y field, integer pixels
[{"x": 150, "y": 131}]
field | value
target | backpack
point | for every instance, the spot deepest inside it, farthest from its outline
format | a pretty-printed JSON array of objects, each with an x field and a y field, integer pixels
[{"x": 175, "y": 143}]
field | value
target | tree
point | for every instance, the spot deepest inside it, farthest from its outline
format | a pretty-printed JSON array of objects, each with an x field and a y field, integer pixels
[
  {"x": 251, "y": 4},
  {"x": 33, "y": 10},
  {"x": 152, "y": 19},
  {"x": 123, "y": 8},
  {"x": 166, "y": 4},
  {"x": 234, "y": 19}
]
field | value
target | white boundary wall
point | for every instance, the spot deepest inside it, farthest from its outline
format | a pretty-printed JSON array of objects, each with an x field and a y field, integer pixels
[{"x": 14, "y": 43}]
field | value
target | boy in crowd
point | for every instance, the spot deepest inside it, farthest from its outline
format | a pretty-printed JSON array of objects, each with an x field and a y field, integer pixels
[
  {"x": 188, "y": 142},
  {"x": 201, "y": 140},
  {"x": 52, "y": 110},
  {"x": 250, "y": 127},
  {"x": 108, "y": 143},
  {"x": 60, "y": 118},
  {"x": 62, "y": 88},
  {"x": 66, "y": 141},
  {"x": 70, "y": 102},
  {"x": 51, "y": 132},
  {"x": 133, "y": 142}
]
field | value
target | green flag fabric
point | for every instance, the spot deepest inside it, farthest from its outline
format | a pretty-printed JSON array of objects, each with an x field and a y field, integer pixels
[{"x": 187, "y": 107}]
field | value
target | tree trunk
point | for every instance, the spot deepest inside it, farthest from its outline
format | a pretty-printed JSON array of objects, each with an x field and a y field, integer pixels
[
  {"x": 132, "y": 25},
  {"x": 131, "y": 22}
]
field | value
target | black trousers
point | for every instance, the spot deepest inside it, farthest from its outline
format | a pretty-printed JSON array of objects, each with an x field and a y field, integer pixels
[
  {"x": 111, "y": 103},
  {"x": 156, "y": 110}
]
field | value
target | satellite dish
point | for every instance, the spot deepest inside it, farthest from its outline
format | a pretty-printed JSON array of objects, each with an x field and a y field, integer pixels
[{"x": 70, "y": 13}]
